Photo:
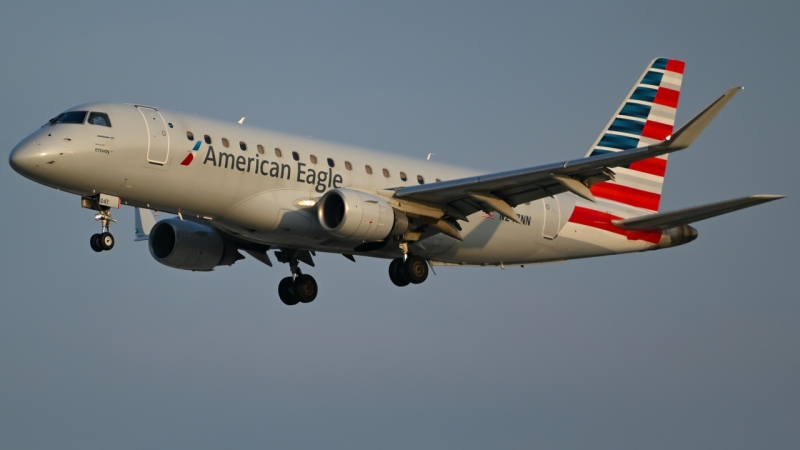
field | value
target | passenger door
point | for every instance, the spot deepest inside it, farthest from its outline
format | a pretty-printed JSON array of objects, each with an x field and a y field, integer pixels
[{"x": 157, "y": 136}]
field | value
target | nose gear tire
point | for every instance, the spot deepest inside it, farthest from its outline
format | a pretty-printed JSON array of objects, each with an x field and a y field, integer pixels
[
  {"x": 106, "y": 241},
  {"x": 94, "y": 242}
]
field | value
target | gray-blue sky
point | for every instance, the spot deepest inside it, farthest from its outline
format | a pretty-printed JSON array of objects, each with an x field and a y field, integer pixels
[{"x": 693, "y": 347}]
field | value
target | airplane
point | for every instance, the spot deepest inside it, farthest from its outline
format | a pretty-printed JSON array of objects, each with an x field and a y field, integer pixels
[{"x": 236, "y": 188}]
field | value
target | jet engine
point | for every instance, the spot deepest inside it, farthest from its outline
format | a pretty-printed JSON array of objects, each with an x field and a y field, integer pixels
[
  {"x": 186, "y": 245},
  {"x": 356, "y": 215}
]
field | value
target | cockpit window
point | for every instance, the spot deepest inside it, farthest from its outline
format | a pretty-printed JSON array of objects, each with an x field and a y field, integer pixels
[
  {"x": 69, "y": 117},
  {"x": 98, "y": 118}
]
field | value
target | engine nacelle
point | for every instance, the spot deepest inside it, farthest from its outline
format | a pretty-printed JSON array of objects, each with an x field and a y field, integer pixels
[
  {"x": 186, "y": 245},
  {"x": 356, "y": 215}
]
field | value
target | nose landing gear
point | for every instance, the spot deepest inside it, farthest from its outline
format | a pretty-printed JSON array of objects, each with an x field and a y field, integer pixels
[{"x": 104, "y": 240}]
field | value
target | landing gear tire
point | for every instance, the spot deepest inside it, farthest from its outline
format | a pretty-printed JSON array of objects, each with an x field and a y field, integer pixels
[
  {"x": 286, "y": 293},
  {"x": 416, "y": 269},
  {"x": 397, "y": 273},
  {"x": 94, "y": 241},
  {"x": 305, "y": 288},
  {"x": 106, "y": 241}
]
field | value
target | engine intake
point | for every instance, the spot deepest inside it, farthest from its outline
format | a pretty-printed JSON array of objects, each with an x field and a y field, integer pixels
[
  {"x": 356, "y": 215},
  {"x": 186, "y": 245}
]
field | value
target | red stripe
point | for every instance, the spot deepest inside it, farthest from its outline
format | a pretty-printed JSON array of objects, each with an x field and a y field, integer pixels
[
  {"x": 656, "y": 130},
  {"x": 674, "y": 65},
  {"x": 627, "y": 195},
  {"x": 667, "y": 97},
  {"x": 653, "y": 166},
  {"x": 601, "y": 220},
  {"x": 186, "y": 161}
]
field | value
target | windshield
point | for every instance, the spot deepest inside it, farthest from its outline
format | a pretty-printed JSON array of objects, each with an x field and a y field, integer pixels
[
  {"x": 69, "y": 117},
  {"x": 98, "y": 118}
]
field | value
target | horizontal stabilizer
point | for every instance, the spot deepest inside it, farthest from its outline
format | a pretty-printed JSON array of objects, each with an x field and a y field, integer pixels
[
  {"x": 144, "y": 221},
  {"x": 691, "y": 215}
]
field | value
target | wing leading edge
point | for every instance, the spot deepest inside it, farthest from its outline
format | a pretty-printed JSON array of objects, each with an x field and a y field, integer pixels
[{"x": 465, "y": 196}]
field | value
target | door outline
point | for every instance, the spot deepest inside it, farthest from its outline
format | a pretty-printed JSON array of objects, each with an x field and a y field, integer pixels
[
  {"x": 552, "y": 219},
  {"x": 149, "y": 135}
]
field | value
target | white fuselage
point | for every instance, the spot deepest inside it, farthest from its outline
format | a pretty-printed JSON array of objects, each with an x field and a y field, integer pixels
[{"x": 255, "y": 193}]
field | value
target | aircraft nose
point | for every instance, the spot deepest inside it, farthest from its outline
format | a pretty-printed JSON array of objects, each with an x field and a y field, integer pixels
[{"x": 23, "y": 156}]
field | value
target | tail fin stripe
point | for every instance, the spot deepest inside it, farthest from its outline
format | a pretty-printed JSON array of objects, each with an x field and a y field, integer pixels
[
  {"x": 644, "y": 94},
  {"x": 653, "y": 78},
  {"x": 656, "y": 130},
  {"x": 627, "y": 126},
  {"x": 617, "y": 141},
  {"x": 674, "y": 65},
  {"x": 627, "y": 195},
  {"x": 667, "y": 97},
  {"x": 636, "y": 110},
  {"x": 653, "y": 166}
]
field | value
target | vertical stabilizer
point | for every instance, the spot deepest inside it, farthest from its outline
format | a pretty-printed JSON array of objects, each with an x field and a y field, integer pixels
[{"x": 646, "y": 117}]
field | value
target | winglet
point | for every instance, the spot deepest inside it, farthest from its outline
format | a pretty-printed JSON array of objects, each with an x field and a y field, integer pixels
[
  {"x": 144, "y": 223},
  {"x": 686, "y": 135}
]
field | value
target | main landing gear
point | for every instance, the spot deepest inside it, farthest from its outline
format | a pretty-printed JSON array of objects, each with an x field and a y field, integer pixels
[
  {"x": 408, "y": 269},
  {"x": 298, "y": 288},
  {"x": 103, "y": 240}
]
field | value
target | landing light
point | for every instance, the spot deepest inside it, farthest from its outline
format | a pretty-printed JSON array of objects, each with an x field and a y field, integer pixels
[{"x": 305, "y": 203}]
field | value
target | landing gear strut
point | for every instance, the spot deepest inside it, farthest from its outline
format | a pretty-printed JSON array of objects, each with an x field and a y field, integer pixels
[
  {"x": 104, "y": 240},
  {"x": 298, "y": 288}
]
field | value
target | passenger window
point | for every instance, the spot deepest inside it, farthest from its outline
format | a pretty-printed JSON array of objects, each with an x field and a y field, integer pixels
[
  {"x": 330, "y": 162},
  {"x": 98, "y": 118},
  {"x": 368, "y": 169},
  {"x": 348, "y": 166},
  {"x": 278, "y": 152},
  {"x": 420, "y": 180},
  {"x": 208, "y": 139},
  {"x": 69, "y": 117},
  {"x": 189, "y": 134},
  {"x": 260, "y": 149},
  {"x": 438, "y": 180},
  {"x": 313, "y": 159},
  {"x": 386, "y": 173},
  {"x": 403, "y": 176},
  {"x": 224, "y": 142},
  {"x": 295, "y": 156},
  {"x": 242, "y": 146}
]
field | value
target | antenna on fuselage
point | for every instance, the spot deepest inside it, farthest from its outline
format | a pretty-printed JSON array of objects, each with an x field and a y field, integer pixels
[{"x": 241, "y": 121}]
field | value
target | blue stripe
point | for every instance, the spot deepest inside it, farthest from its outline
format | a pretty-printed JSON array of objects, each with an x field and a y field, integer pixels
[
  {"x": 617, "y": 141},
  {"x": 197, "y": 146},
  {"x": 636, "y": 110},
  {"x": 600, "y": 151},
  {"x": 627, "y": 126},
  {"x": 660, "y": 63},
  {"x": 644, "y": 94},
  {"x": 653, "y": 78}
]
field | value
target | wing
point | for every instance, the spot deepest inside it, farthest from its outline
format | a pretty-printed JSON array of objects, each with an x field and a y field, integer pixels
[{"x": 502, "y": 191}]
